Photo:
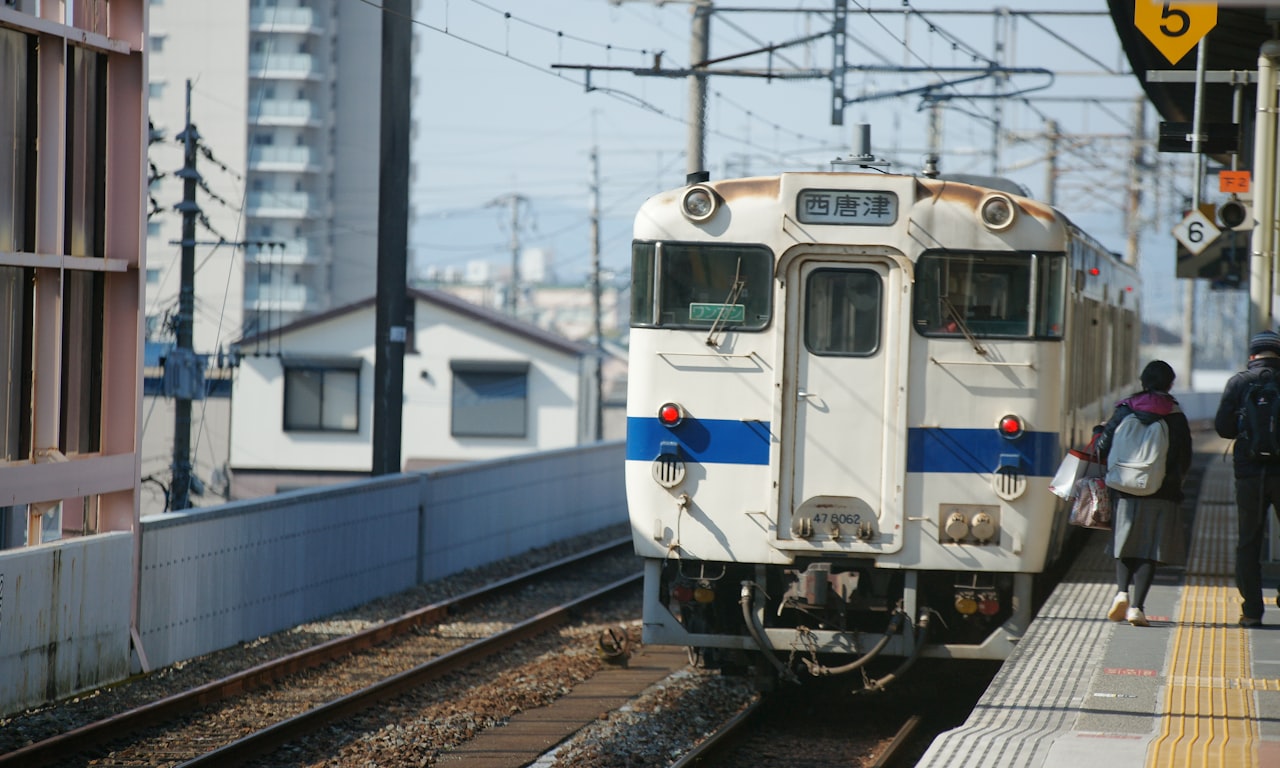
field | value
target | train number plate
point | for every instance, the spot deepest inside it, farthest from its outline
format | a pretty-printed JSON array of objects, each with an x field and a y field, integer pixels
[{"x": 834, "y": 517}]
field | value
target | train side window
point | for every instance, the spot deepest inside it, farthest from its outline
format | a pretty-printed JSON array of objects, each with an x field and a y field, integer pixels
[
  {"x": 642, "y": 279},
  {"x": 842, "y": 312}
]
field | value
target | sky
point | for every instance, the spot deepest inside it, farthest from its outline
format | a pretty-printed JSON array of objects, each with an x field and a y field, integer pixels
[{"x": 502, "y": 108}]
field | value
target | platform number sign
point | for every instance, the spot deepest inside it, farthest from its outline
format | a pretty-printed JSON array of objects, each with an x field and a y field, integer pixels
[
  {"x": 1174, "y": 28},
  {"x": 1196, "y": 232}
]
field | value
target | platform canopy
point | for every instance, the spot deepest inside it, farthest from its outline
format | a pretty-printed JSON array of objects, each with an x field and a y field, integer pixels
[{"x": 1232, "y": 44}]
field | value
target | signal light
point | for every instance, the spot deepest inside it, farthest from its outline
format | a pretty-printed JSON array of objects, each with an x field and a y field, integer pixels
[
  {"x": 989, "y": 606},
  {"x": 1236, "y": 215},
  {"x": 1010, "y": 426},
  {"x": 704, "y": 595},
  {"x": 670, "y": 414},
  {"x": 682, "y": 593},
  {"x": 965, "y": 604},
  {"x": 1094, "y": 271}
]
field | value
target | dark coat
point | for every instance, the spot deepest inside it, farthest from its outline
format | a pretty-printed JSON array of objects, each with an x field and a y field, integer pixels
[
  {"x": 1227, "y": 420},
  {"x": 1151, "y": 406}
]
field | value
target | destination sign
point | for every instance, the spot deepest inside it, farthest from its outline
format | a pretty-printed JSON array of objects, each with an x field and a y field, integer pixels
[
  {"x": 710, "y": 313},
  {"x": 843, "y": 206}
]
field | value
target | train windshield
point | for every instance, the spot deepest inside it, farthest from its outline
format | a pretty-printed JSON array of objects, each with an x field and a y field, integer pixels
[
  {"x": 989, "y": 295},
  {"x": 701, "y": 286}
]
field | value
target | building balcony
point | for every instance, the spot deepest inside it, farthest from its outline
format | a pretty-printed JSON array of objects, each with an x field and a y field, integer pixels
[
  {"x": 296, "y": 159},
  {"x": 295, "y": 252},
  {"x": 281, "y": 205},
  {"x": 284, "y": 66},
  {"x": 276, "y": 298},
  {"x": 284, "y": 20},
  {"x": 298, "y": 112}
]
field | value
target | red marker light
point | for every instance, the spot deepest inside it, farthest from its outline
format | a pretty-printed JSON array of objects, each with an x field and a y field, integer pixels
[
  {"x": 670, "y": 414},
  {"x": 1010, "y": 426},
  {"x": 1094, "y": 271}
]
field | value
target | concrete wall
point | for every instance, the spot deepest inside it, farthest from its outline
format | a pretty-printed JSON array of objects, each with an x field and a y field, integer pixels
[
  {"x": 217, "y": 576},
  {"x": 64, "y": 618}
]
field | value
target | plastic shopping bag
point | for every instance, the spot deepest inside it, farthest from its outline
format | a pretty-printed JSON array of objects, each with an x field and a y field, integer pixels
[
  {"x": 1075, "y": 466},
  {"x": 1092, "y": 508}
]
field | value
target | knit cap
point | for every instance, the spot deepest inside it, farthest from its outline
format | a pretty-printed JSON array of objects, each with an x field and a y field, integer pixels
[{"x": 1265, "y": 341}]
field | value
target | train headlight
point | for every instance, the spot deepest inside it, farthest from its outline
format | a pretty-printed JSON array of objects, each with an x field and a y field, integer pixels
[
  {"x": 956, "y": 526},
  {"x": 699, "y": 203},
  {"x": 1010, "y": 426},
  {"x": 670, "y": 415},
  {"x": 997, "y": 212},
  {"x": 983, "y": 527}
]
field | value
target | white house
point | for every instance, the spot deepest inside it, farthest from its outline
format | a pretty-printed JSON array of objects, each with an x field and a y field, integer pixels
[{"x": 477, "y": 385}]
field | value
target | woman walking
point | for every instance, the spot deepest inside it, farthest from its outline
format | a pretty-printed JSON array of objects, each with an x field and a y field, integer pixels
[{"x": 1148, "y": 530}]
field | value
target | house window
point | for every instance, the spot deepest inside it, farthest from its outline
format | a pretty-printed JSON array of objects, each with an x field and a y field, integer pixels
[
  {"x": 322, "y": 395},
  {"x": 490, "y": 398}
]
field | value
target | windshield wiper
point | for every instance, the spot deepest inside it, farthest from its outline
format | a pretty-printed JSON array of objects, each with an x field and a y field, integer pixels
[
  {"x": 735, "y": 290},
  {"x": 962, "y": 325}
]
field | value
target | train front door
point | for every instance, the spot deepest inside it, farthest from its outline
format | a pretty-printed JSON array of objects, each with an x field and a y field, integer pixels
[{"x": 841, "y": 487}]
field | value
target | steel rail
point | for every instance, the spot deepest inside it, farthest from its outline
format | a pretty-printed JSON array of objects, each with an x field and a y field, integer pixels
[
  {"x": 720, "y": 738},
  {"x": 55, "y": 748},
  {"x": 268, "y": 739},
  {"x": 893, "y": 749}
]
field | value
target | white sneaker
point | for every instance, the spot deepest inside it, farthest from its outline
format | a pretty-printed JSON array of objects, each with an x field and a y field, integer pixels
[
  {"x": 1137, "y": 618},
  {"x": 1118, "y": 607}
]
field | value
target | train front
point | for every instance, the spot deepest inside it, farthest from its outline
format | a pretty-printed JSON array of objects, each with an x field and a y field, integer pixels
[{"x": 840, "y": 386}]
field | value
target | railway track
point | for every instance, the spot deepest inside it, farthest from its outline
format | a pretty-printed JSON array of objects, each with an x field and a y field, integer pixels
[
  {"x": 824, "y": 724},
  {"x": 287, "y": 698}
]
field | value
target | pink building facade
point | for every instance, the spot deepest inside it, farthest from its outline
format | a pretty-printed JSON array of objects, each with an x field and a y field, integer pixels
[{"x": 73, "y": 139}]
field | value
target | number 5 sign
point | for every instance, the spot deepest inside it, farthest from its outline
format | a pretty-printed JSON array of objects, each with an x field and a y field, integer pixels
[{"x": 1174, "y": 28}]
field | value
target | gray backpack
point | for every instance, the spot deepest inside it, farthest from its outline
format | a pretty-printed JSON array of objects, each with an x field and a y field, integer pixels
[{"x": 1137, "y": 457}]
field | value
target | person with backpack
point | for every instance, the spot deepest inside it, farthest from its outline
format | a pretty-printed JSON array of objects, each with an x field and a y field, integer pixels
[
  {"x": 1247, "y": 414},
  {"x": 1146, "y": 446}
]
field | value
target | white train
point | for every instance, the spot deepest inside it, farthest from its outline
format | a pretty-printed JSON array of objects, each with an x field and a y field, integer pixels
[{"x": 847, "y": 394}]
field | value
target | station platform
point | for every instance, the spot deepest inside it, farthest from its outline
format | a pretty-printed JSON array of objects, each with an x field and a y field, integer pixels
[{"x": 1192, "y": 689}]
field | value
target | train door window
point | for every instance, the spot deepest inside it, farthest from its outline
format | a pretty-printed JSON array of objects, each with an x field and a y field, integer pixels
[
  {"x": 842, "y": 312},
  {"x": 701, "y": 286}
]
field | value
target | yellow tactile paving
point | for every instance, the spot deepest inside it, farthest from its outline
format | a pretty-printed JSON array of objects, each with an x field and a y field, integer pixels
[{"x": 1209, "y": 717}]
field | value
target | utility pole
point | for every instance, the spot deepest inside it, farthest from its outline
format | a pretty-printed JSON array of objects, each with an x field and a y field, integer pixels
[
  {"x": 393, "y": 236},
  {"x": 180, "y": 368},
  {"x": 595, "y": 289},
  {"x": 1051, "y": 172},
  {"x": 513, "y": 294},
  {"x": 698, "y": 52},
  {"x": 1137, "y": 164}
]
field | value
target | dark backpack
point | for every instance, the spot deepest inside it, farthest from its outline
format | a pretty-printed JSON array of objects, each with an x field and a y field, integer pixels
[{"x": 1260, "y": 417}]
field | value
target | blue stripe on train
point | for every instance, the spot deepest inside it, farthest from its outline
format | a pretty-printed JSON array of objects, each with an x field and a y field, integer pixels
[
  {"x": 706, "y": 441},
  {"x": 725, "y": 441},
  {"x": 942, "y": 449}
]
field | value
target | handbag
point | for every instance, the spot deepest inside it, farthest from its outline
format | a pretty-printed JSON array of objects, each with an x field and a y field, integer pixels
[
  {"x": 1075, "y": 466},
  {"x": 1092, "y": 507}
]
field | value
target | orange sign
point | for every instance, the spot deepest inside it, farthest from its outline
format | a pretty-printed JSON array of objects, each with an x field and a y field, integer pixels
[
  {"x": 1233, "y": 182},
  {"x": 1174, "y": 28}
]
